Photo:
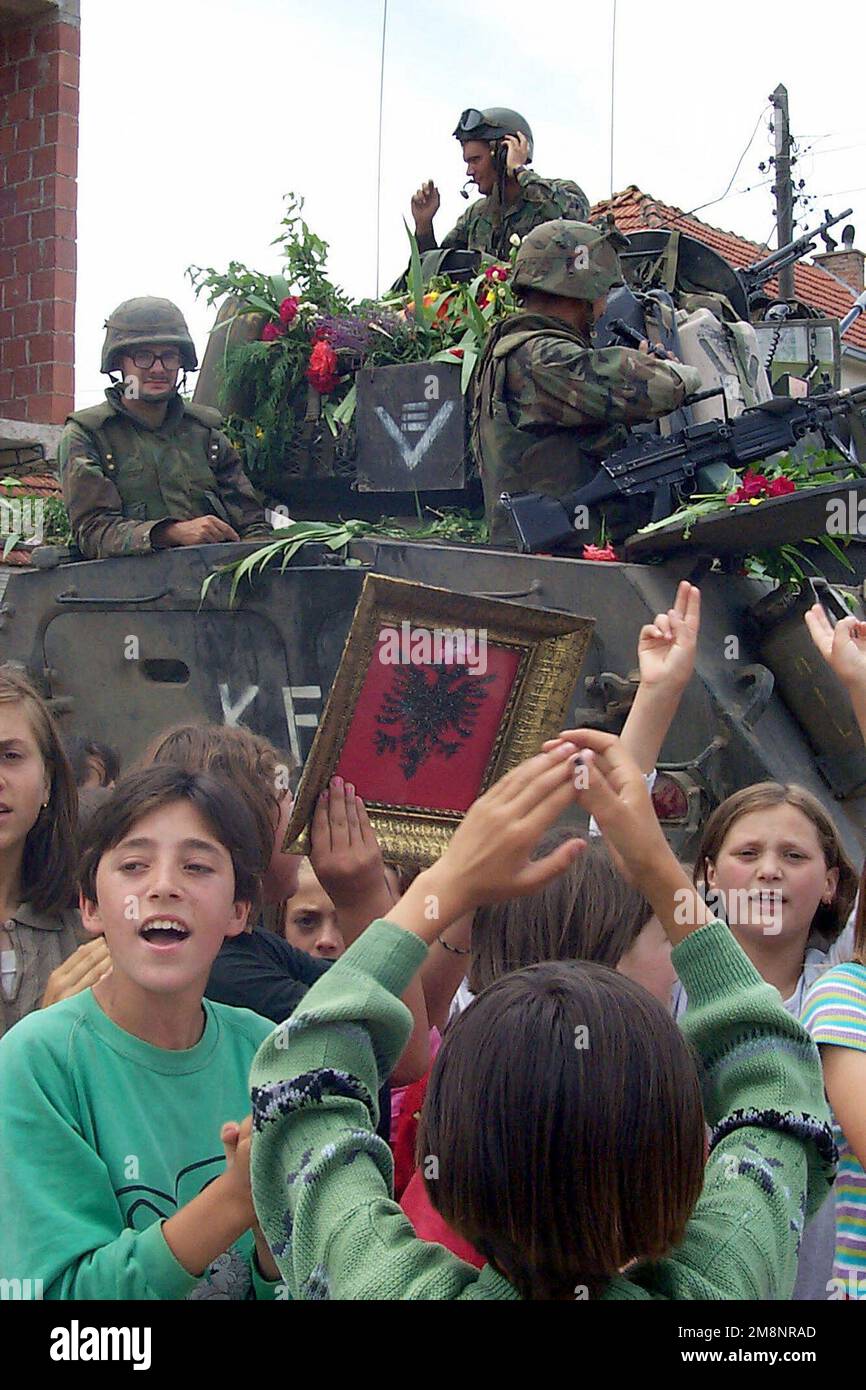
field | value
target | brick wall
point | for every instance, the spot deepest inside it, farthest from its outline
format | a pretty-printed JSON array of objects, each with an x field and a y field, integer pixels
[
  {"x": 846, "y": 265},
  {"x": 39, "y": 157}
]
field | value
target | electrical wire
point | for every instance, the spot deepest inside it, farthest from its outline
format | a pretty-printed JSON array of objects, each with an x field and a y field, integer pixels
[
  {"x": 838, "y": 192},
  {"x": 379, "y": 157},
  {"x": 721, "y": 199},
  {"x": 612, "y": 87}
]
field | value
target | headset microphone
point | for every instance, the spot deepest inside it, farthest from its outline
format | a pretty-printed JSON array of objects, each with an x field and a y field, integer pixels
[{"x": 463, "y": 193}]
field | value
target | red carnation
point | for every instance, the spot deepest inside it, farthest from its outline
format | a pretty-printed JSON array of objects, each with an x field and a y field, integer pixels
[
  {"x": 496, "y": 272},
  {"x": 456, "y": 352},
  {"x": 599, "y": 552},
  {"x": 322, "y": 372},
  {"x": 289, "y": 308},
  {"x": 272, "y": 331},
  {"x": 780, "y": 487},
  {"x": 754, "y": 484}
]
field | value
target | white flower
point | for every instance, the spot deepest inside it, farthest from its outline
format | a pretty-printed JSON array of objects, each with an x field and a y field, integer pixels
[{"x": 514, "y": 239}]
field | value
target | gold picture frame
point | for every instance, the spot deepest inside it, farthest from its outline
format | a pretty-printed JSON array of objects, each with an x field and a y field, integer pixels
[{"x": 377, "y": 726}]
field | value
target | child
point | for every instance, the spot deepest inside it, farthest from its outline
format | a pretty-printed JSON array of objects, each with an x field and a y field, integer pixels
[
  {"x": 94, "y": 765},
  {"x": 536, "y": 1086},
  {"x": 257, "y": 969},
  {"x": 835, "y": 1010},
  {"x": 774, "y": 859},
  {"x": 38, "y": 927},
  {"x": 113, "y": 1180},
  {"x": 309, "y": 918},
  {"x": 588, "y": 913},
  {"x": 835, "y": 1016}
]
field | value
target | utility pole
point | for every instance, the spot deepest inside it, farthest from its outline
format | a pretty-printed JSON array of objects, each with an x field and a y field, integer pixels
[{"x": 783, "y": 188}]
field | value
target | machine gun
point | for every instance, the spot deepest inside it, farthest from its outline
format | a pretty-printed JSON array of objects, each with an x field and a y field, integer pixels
[
  {"x": 752, "y": 277},
  {"x": 658, "y": 466}
]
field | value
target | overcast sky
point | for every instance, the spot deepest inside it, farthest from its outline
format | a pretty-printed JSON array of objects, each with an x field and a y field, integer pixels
[{"x": 198, "y": 115}]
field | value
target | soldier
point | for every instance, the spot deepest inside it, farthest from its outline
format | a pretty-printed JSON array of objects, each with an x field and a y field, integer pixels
[
  {"x": 147, "y": 470},
  {"x": 546, "y": 404},
  {"x": 497, "y": 147}
]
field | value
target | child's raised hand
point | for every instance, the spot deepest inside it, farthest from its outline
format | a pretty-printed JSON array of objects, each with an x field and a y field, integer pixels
[
  {"x": 843, "y": 647},
  {"x": 611, "y": 787},
  {"x": 344, "y": 851},
  {"x": 666, "y": 647},
  {"x": 488, "y": 859}
]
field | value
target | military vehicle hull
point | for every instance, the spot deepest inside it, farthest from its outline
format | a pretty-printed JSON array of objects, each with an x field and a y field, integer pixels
[{"x": 123, "y": 648}]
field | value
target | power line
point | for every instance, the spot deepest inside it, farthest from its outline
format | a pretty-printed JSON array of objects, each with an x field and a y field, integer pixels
[
  {"x": 379, "y": 162},
  {"x": 713, "y": 201},
  {"x": 612, "y": 85},
  {"x": 837, "y": 149},
  {"x": 837, "y": 192}
]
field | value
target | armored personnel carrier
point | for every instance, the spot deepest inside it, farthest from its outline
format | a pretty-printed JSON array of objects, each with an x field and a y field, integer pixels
[{"x": 124, "y": 647}]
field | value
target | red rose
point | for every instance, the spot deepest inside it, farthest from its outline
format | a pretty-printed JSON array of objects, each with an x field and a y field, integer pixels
[
  {"x": 780, "y": 487},
  {"x": 289, "y": 308},
  {"x": 272, "y": 331},
  {"x": 599, "y": 552},
  {"x": 322, "y": 372},
  {"x": 734, "y": 497}
]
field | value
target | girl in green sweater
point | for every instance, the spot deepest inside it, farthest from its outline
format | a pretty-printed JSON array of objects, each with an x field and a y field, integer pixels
[{"x": 563, "y": 1129}]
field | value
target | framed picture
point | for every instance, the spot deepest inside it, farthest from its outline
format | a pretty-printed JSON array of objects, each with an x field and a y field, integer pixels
[{"x": 437, "y": 695}]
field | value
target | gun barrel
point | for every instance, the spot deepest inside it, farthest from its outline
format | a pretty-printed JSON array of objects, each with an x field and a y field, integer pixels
[
  {"x": 759, "y": 271},
  {"x": 857, "y": 308}
]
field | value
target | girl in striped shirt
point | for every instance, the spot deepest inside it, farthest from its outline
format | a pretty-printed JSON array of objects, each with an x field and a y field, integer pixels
[{"x": 835, "y": 1010}]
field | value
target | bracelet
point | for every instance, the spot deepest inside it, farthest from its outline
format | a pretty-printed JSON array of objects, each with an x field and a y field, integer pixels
[{"x": 456, "y": 950}]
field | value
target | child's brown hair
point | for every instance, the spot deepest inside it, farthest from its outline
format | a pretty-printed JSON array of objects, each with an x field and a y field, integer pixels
[
  {"x": 250, "y": 762},
  {"x": 588, "y": 912},
  {"x": 48, "y": 863},
  {"x": 564, "y": 1109}
]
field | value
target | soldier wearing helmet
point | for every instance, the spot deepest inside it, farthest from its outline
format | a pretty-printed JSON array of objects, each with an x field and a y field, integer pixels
[
  {"x": 497, "y": 147},
  {"x": 547, "y": 405},
  {"x": 147, "y": 470}
]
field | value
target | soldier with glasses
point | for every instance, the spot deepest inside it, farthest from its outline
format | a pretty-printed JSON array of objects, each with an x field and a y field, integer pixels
[{"x": 147, "y": 469}]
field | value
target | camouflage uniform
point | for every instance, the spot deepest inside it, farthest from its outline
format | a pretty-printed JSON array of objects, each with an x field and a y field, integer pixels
[
  {"x": 488, "y": 227},
  {"x": 121, "y": 478},
  {"x": 547, "y": 405}
]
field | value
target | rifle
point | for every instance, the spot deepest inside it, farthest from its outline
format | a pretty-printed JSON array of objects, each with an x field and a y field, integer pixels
[
  {"x": 751, "y": 277},
  {"x": 657, "y": 465}
]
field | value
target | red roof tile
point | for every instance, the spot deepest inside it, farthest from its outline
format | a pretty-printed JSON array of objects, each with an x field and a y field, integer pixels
[
  {"x": 33, "y": 485},
  {"x": 635, "y": 211}
]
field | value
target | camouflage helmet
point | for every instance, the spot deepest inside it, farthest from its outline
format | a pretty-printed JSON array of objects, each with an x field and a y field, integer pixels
[
  {"x": 141, "y": 323},
  {"x": 493, "y": 124},
  {"x": 570, "y": 259}
]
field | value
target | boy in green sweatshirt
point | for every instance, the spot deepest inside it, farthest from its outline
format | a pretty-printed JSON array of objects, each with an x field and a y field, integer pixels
[
  {"x": 563, "y": 1130},
  {"x": 123, "y": 1171}
]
